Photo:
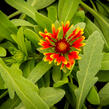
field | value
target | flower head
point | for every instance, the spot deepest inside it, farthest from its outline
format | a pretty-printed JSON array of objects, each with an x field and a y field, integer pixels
[{"x": 62, "y": 47}]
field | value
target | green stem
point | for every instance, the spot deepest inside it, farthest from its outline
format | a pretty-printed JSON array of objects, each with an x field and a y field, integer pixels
[
  {"x": 94, "y": 13},
  {"x": 66, "y": 105},
  {"x": 14, "y": 14},
  {"x": 71, "y": 81},
  {"x": 4, "y": 94},
  {"x": 94, "y": 7}
]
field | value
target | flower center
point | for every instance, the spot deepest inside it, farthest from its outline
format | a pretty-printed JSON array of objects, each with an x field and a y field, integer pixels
[{"x": 62, "y": 46}]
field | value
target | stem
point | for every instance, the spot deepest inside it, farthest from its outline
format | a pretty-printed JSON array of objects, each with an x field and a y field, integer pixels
[
  {"x": 14, "y": 14},
  {"x": 94, "y": 7},
  {"x": 4, "y": 94},
  {"x": 94, "y": 13},
  {"x": 66, "y": 105},
  {"x": 71, "y": 81}
]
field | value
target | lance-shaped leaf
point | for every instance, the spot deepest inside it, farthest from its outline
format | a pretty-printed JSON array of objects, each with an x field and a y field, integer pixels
[
  {"x": 51, "y": 95},
  {"x": 2, "y": 52},
  {"x": 101, "y": 20},
  {"x": 52, "y": 12},
  {"x": 91, "y": 27},
  {"x": 105, "y": 62},
  {"x": 19, "y": 39},
  {"x": 25, "y": 89},
  {"x": 6, "y": 27},
  {"x": 39, "y": 4},
  {"x": 93, "y": 96},
  {"x": 22, "y": 6},
  {"x": 10, "y": 103},
  {"x": 67, "y": 9},
  {"x": 89, "y": 66},
  {"x": 103, "y": 76},
  {"x": 20, "y": 22},
  {"x": 39, "y": 70},
  {"x": 104, "y": 95},
  {"x": 32, "y": 36},
  {"x": 43, "y": 21}
]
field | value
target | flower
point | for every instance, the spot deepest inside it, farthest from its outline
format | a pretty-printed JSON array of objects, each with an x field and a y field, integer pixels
[{"x": 64, "y": 48}]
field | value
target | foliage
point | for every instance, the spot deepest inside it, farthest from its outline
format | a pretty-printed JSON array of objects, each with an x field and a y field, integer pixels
[{"x": 27, "y": 82}]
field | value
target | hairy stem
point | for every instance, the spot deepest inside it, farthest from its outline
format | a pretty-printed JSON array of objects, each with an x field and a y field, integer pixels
[
  {"x": 3, "y": 94},
  {"x": 14, "y": 14},
  {"x": 94, "y": 7},
  {"x": 94, "y": 13}
]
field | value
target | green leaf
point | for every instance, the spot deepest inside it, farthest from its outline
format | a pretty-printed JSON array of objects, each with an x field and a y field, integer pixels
[
  {"x": 56, "y": 74},
  {"x": 10, "y": 103},
  {"x": 1, "y": 83},
  {"x": 9, "y": 46},
  {"x": 103, "y": 76},
  {"x": 27, "y": 67},
  {"x": 2, "y": 52},
  {"x": 103, "y": 8},
  {"x": 22, "y": 6},
  {"x": 6, "y": 27},
  {"x": 104, "y": 95},
  {"x": 20, "y": 106},
  {"x": 67, "y": 9},
  {"x": 37, "y": 28},
  {"x": 25, "y": 89},
  {"x": 104, "y": 25},
  {"x": 70, "y": 94},
  {"x": 91, "y": 27},
  {"x": 20, "y": 22},
  {"x": 43, "y": 21},
  {"x": 61, "y": 82},
  {"x": 19, "y": 39},
  {"x": 32, "y": 36},
  {"x": 46, "y": 79},
  {"x": 39, "y": 70},
  {"x": 104, "y": 28},
  {"x": 40, "y": 4},
  {"x": 93, "y": 97},
  {"x": 41, "y": 83},
  {"x": 105, "y": 62},
  {"x": 89, "y": 66},
  {"x": 79, "y": 17},
  {"x": 52, "y": 12},
  {"x": 51, "y": 95},
  {"x": 28, "y": 46}
]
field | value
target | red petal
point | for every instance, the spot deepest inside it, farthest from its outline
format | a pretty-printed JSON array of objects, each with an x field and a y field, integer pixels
[
  {"x": 62, "y": 66},
  {"x": 46, "y": 44},
  {"x": 73, "y": 55},
  {"x": 65, "y": 28},
  {"x": 60, "y": 59},
  {"x": 68, "y": 65},
  {"x": 77, "y": 44},
  {"x": 55, "y": 33},
  {"x": 47, "y": 57},
  {"x": 63, "y": 59},
  {"x": 75, "y": 34},
  {"x": 72, "y": 34}
]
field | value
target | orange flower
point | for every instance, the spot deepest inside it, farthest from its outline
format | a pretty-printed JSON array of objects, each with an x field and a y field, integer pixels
[{"x": 64, "y": 48}]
